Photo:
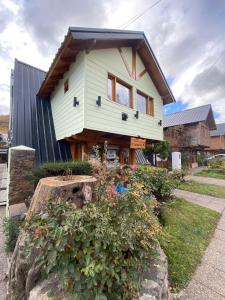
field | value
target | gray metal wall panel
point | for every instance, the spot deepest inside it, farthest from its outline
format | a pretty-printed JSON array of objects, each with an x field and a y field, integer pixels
[{"x": 31, "y": 116}]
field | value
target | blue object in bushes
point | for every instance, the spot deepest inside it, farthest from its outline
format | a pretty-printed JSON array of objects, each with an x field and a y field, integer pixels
[{"x": 121, "y": 189}]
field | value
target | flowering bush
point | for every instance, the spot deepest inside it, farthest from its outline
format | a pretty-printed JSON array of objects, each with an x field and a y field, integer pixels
[
  {"x": 98, "y": 250},
  {"x": 217, "y": 164},
  {"x": 157, "y": 181}
]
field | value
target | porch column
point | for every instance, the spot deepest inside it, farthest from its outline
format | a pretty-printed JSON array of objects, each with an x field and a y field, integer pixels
[
  {"x": 121, "y": 156},
  {"x": 132, "y": 157},
  {"x": 84, "y": 148}
]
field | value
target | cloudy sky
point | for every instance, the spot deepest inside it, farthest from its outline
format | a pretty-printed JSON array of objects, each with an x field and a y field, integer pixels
[{"x": 188, "y": 39}]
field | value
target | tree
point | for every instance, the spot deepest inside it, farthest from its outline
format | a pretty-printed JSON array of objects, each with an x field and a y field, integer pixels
[{"x": 162, "y": 149}]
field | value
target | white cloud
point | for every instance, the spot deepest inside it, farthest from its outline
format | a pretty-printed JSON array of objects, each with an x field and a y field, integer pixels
[{"x": 188, "y": 39}]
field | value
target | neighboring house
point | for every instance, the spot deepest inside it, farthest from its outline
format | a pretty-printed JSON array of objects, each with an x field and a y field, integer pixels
[
  {"x": 103, "y": 85},
  {"x": 188, "y": 131},
  {"x": 217, "y": 139}
]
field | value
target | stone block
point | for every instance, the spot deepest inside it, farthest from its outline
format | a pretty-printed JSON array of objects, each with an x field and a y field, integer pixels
[
  {"x": 17, "y": 211},
  {"x": 21, "y": 163}
]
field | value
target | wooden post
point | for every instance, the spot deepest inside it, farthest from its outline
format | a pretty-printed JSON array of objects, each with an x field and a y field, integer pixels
[
  {"x": 84, "y": 155},
  {"x": 132, "y": 157},
  {"x": 121, "y": 156}
]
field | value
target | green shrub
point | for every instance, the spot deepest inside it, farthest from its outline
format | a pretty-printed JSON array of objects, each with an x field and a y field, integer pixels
[
  {"x": 157, "y": 181},
  {"x": 11, "y": 229},
  {"x": 178, "y": 175},
  {"x": 61, "y": 168},
  {"x": 98, "y": 250},
  {"x": 217, "y": 164}
]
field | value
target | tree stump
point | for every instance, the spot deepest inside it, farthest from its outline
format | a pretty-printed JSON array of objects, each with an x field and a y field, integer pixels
[{"x": 23, "y": 274}]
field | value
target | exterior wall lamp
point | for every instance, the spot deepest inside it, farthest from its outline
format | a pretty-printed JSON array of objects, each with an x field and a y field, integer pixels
[
  {"x": 75, "y": 102},
  {"x": 99, "y": 101},
  {"x": 136, "y": 114},
  {"x": 124, "y": 116},
  {"x": 160, "y": 123}
]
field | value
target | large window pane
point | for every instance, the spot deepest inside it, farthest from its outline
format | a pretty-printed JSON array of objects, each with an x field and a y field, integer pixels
[
  {"x": 141, "y": 103},
  {"x": 122, "y": 94}
]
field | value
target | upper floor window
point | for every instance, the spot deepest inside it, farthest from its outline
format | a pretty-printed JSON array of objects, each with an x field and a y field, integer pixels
[
  {"x": 145, "y": 104},
  {"x": 119, "y": 91},
  {"x": 66, "y": 86}
]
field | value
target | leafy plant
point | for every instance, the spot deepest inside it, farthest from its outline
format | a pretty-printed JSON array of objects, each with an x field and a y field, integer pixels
[
  {"x": 178, "y": 175},
  {"x": 97, "y": 251},
  {"x": 161, "y": 148},
  {"x": 61, "y": 168},
  {"x": 217, "y": 164},
  {"x": 157, "y": 181},
  {"x": 11, "y": 229}
]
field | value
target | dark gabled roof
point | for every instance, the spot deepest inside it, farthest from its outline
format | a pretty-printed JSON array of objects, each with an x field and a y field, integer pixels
[
  {"x": 31, "y": 117},
  {"x": 189, "y": 116},
  {"x": 220, "y": 130},
  {"x": 79, "y": 39}
]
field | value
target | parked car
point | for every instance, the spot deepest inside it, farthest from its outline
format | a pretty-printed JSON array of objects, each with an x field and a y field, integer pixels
[
  {"x": 220, "y": 156},
  {"x": 216, "y": 157}
]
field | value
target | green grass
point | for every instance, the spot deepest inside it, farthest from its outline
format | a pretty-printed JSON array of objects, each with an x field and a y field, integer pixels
[
  {"x": 203, "y": 188},
  {"x": 211, "y": 173},
  {"x": 186, "y": 233}
]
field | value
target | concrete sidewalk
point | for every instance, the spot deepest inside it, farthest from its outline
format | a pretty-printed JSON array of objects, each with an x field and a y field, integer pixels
[
  {"x": 206, "y": 180},
  {"x": 214, "y": 203},
  {"x": 208, "y": 282}
]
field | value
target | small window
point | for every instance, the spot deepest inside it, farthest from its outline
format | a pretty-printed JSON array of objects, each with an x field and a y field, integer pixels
[
  {"x": 119, "y": 91},
  {"x": 142, "y": 103},
  {"x": 123, "y": 94},
  {"x": 145, "y": 104},
  {"x": 66, "y": 86}
]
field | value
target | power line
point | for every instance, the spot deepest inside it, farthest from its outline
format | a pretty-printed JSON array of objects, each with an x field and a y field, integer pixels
[{"x": 135, "y": 18}]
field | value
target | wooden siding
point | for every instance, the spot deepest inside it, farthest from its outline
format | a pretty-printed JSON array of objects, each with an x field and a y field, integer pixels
[
  {"x": 69, "y": 120},
  {"x": 88, "y": 79},
  {"x": 108, "y": 117},
  {"x": 188, "y": 136},
  {"x": 217, "y": 143}
]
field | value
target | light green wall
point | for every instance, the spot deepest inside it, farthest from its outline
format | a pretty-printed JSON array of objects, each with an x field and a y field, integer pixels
[
  {"x": 69, "y": 120},
  {"x": 108, "y": 117},
  {"x": 87, "y": 80}
]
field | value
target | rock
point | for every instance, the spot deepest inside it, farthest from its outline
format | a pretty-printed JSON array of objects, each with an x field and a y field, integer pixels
[
  {"x": 44, "y": 288},
  {"x": 154, "y": 280},
  {"x": 23, "y": 274},
  {"x": 17, "y": 211}
]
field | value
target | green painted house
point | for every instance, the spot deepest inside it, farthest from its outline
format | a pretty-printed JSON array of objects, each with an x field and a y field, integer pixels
[{"x": 106, "y": 85}]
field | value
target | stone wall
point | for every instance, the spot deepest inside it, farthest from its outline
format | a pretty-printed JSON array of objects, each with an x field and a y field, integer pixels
[{"x": 21, "y": 162}]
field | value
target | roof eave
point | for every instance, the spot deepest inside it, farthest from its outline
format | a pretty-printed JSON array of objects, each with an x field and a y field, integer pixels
[{"x": 73, "y": 34}]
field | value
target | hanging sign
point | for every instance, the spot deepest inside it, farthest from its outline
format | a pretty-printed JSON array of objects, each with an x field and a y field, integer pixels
[{"x": 137, "y": 143}]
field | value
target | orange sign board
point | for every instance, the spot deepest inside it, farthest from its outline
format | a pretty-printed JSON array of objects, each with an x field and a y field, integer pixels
[{"x": 137, "y": 143}]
